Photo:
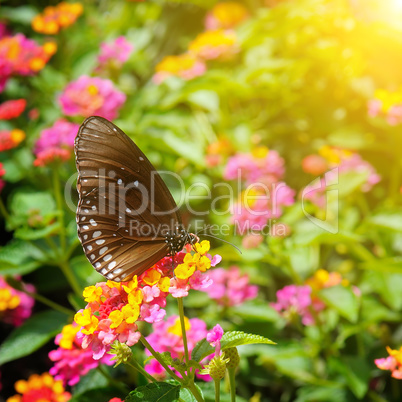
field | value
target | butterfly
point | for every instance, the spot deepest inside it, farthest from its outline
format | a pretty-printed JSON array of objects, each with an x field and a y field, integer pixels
[{"x": 127, "y": 218}]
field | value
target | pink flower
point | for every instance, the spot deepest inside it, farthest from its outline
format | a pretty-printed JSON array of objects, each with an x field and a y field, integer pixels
[
  {"x": 259, "y": 204},
  {"x": 393, "y": 362},
  {"x": 263, "y": 164},
  {"x": 15, "y": 306},
  {"x": 90, "y": 96},
  {"x": 71, "y": 361},
  {"x": 166, "y": 336},
  {"x": 185, "y": 66},
  {"x": 252, "y": 240},
  {"x": 22, "y": 56},
  {"x": 230, "y": 288},
  {"x": 12, "y": 109},
  {"x": 314, "y": 164},
  {"x": 115, "y": 53},
  {"x": 215, "y": 335},
  {"x": 294, "y": 301},
  {"x": 61, "y": 135}
]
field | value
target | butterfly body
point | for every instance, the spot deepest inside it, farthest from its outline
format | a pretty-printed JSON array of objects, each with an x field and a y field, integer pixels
[{"x": 126, "y": 217}]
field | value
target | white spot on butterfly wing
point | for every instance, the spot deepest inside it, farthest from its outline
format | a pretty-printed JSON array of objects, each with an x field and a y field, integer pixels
[
  {"x": 100, "y": 242},
  {"x": 89, "y": 248},
  {"x": 103, "y": 250},
  {"x": 85, "y": 227},
  {"x": 120, "y": 181},
  {"x": 98, "y": 265},
  {"x": 112, "y": 265},
  {"x": 136, "y": 183},
  {"x": 92, "y": 222},
  {"x": 96, "y": 234},
  {"x": 128, "y": 210},
  {"x": 108, "y": 257},
  {"x": 92, "y": 256}
]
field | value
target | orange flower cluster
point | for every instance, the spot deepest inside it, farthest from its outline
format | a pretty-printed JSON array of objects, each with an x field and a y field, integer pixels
[
  {"x": 42, "y": 388},
  {"x": 10, "y": 139},
  {"x": 53, "y": 19}
]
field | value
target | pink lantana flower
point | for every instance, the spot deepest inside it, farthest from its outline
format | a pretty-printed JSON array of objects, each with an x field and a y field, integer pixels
[
  {"x": 15, "y": 306},
  {"x": 294, "y": 301},
  {"x": 393, "y": 362},
  {"x": 90, "y": 96},
  {"x": 55, "y": 143},
  {"x": 186, "y": 66},
  {"x": 230, "y": 288},
  {"x": 71, "y": 361},
  {"x": 167, "y": 337},
  {"x": 114, "y": 54}
]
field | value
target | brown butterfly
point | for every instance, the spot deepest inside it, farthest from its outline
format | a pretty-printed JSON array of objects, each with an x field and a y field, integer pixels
[{"x": 127, "y": 219}]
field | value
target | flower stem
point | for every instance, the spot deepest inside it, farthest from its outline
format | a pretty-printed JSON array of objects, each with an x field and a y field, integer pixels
[
  {"x": 3, "y": 210},
  {"x": 194, "y": 390},
  {"x": 49, "y": 303},
  {"x": 60, "y": 208},
  {"x": 156, "y": 355},
  {"x": 232, "y": 383},
  {"x": 183, "y": 330},
  {"x": 217, "y": 390},
  {"x": 72, "y": 280},
  {"x": 111, "y": 380},
  {"x": 136, "y": 366}
]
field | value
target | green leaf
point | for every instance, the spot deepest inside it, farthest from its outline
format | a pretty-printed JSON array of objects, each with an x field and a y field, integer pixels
[
  {"x": 256, "y": 312},
  {"x": 391, "y": 265},
  {"x": 229, "y": 340},
  {"x": 342, "y": 299},
  {"x": 84, "y": 271},
  {"x": 31, "y": 335},
  {"x": 155, "y": 392},
  {"x": 21, "y": 14},
  {"x": 27, "y": 233},
  {"x": 25, "y": 202},
  {"x": 19, "y": 257},
  {"x": 355, "y": 371},
  {"x": 387, "y": 220},
  {"x": 208, "y": 100}
]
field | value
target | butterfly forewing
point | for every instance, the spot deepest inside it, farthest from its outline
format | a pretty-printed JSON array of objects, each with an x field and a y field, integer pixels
[{"x": 125, "y": 211}]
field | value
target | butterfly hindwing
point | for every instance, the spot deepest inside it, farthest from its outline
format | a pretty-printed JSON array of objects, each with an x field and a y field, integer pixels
[{"x": 124, "y": 209}]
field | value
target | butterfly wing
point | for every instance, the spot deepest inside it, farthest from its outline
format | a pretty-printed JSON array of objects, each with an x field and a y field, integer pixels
[{"x": 125, "y": 209}]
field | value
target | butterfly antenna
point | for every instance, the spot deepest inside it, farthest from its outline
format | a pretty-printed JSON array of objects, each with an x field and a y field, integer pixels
[
  {"x": 203, "y": 229},
  {"x": 225, "y": 241}
]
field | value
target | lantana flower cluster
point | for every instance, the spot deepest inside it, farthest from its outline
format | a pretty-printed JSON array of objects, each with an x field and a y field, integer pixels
[
  {"x": 265, "y": 196},
  {"x": 218, "y": 42},
  {"x": 114, "y": 309},
  {"x": 330, "y": 158},
  {"x": 89, "y": 96},
  {"x": 387, "y": 104},
  {"x": 10, "y": 139},
  {"x": 22, "y": 56},
  {"x": 114, "y": 54},
  {"x": 40, "y": 388},
  {"x": 53, "y": 19},
  {"x": 12, "y": 109},
  {"x": 230, "y": 287},
  {"x": 71, "y": 361},
  {"x": 225, "y": 15},
  {"x": 294, "y": 301},
  {"x": 393, "y": 362},
  {"x": 55, "y": 143},
  {"x": 167, "y": 336},
  {"x": 15, "y": 306}
]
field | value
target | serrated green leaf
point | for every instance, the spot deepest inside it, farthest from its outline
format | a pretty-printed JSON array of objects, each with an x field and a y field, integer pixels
[
  {"x": 31, "y": 335},
  {"x": 155, "y": 392},
  {"x": 229, "y": 340}
]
